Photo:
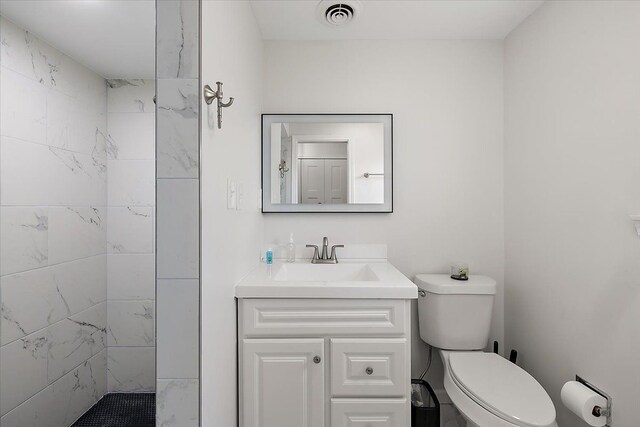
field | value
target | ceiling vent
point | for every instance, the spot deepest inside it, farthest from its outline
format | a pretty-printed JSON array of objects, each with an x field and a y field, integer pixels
[{"x": 337, "y": 14}]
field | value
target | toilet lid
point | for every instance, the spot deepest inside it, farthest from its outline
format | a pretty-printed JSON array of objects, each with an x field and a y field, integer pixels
[{"x": 502, "y": 388}]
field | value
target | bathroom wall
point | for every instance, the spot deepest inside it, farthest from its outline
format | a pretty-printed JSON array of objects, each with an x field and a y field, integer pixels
[
  {"x": 231, "y": 238},
  {"x": 446, "y": 97},
  {"x": 178, "y": 213},
  {"x": 130, "y": 236},
  {"x": 53, "y": 220},
  {"x": 572, "y": 103}
]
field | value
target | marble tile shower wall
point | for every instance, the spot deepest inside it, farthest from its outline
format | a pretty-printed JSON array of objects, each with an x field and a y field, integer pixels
[
  {"x": 53, "y": 214},
  {"x": 130, "y": 236},
  {"x": 178, "y": 246}
]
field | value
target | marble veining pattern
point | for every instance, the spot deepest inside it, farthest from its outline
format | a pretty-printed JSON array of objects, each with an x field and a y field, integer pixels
[
  {"x": 62, "y": 402},
  {"x": 64, "y": 178},
  {"x": 54, "y": 293},
  {"x": 80, "y": 389},
  {"x": 177, "y": 403},
  {"x": 23, "y": 110},
  {"x": 177, "y": 182},
  {"x": 130, "y": 230},
  {"x": 24, "y": 370},
  {"x": 130, "y": 235},
  {"x": 177, "y": 39},
  {"x": 31, "y": 57},
  {"x": 87, "y": 225},
  {"x": 131, "y": 136},
  {"x": 25, "y": 239},
  {"x": 73, "y": 126},
  {"x": 131, "y": 369},
  {"x": 130, "y": 96},
  {"x": 131, "y": 182},
  {"x": 76, "y": 339},
  {"x": 130, "y": 324},
  {"x": 178, "y": 128},
  {"x": 53, "y": 218}
]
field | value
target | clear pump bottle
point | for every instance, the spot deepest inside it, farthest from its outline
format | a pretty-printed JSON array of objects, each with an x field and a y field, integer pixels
[{"x": 291, "y": 250}]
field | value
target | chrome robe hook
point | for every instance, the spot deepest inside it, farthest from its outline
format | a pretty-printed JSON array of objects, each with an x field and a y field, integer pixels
[{"x": 210, "y": 95}]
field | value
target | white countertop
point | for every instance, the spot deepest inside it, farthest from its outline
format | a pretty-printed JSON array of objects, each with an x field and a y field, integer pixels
[{"x": 348, "y": 279}]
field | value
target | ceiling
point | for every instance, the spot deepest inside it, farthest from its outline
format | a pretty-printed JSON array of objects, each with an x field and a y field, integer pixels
[
  {"x": 395, "y": 19},
  {"x": 114, "y": 38}
]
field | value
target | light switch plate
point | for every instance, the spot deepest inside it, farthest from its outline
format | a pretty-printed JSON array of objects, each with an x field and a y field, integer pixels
[
  {"x": 232, "y": 194},
  {"x": 240, "y": 196}
]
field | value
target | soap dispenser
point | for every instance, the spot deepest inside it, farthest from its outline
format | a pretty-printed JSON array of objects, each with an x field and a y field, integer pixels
[{"x": 291, "y": 250}]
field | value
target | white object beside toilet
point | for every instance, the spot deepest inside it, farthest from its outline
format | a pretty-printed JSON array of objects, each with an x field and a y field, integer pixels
[
  {"x": 488, "y": 390},
  {"x": 581, "y": 400}
]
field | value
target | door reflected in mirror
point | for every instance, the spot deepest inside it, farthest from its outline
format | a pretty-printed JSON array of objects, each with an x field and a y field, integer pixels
[{"x": 327, "y": 163}]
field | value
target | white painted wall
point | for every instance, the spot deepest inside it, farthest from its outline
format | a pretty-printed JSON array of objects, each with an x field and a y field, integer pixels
[
  {"x": 233, "y": 54},
  {"x": 572, "y": 128},
  {"x": 446, "y": 97}
]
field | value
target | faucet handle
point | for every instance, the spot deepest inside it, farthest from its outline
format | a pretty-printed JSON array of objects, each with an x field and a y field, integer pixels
[
  {"x": 315, "y": 252},
  {"x": 334, "y": 256}
]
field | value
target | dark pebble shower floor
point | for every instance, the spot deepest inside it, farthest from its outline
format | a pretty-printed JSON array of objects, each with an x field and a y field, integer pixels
[{"x": 121, "y": 410}]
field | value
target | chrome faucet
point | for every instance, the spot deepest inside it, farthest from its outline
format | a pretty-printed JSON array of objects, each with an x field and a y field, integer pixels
[{"x": 325, "y": 258}]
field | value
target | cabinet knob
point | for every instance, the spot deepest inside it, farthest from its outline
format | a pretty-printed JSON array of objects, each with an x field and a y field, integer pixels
[
  {"x": 317, "y": 359},
  {"x": 369, "y": 371}
]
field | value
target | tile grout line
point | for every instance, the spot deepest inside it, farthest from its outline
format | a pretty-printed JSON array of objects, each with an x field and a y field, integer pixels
[
  {"x": 53, "y": 382},
  {"x": 55, "y": 323}
]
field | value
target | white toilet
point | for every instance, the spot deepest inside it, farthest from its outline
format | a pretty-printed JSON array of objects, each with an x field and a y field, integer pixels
[{"x": 487, "y": 389}]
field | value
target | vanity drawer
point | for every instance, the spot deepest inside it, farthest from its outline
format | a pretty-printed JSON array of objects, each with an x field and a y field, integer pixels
[
  {"x": 370, "y": 413},
  {"x": 369, "y": 367},
  {"x": 322, "y": 317}
]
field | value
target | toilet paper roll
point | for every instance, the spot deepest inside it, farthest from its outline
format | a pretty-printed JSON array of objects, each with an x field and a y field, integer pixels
[{"x": 581, "y": 400}]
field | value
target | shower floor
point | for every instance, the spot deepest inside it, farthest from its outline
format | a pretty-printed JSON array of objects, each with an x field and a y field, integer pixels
[{"x": 121, "y": 410}]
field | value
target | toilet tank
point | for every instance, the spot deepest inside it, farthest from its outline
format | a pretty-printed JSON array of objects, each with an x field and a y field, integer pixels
[{"x": 454, "y": 314}]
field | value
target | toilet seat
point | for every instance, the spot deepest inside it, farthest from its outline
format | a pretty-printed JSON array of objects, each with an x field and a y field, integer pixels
[{"x": 501, "y": 388}]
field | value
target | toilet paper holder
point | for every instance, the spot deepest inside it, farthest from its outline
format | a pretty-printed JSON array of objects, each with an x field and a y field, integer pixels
[{"x": 597, "y": 410}]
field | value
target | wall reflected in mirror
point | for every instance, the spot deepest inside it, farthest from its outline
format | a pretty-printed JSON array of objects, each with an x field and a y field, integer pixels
[{"x": 327, "y": 163}]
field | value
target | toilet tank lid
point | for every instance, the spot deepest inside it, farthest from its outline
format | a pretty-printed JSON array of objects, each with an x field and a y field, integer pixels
[{"x": 445, "y": 285}]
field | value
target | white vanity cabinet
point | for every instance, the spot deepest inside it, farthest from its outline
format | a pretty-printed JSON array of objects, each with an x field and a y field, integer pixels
[{"x": 324, "y": 362}]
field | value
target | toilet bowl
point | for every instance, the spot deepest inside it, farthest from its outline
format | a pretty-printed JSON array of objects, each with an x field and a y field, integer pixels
[{"x": 487, "y": 389}]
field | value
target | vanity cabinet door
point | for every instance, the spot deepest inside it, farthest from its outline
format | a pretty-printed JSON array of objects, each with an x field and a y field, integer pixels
[{"x": 283, "y": 383}]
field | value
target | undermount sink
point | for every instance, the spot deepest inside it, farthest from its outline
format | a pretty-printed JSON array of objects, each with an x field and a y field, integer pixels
[
  {"x": 348, "y": 279},
  {"x": 325, "y": 273}
]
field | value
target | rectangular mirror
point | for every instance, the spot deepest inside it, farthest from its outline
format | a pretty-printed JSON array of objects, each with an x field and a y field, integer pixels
[{"x": 327, "y": 163}]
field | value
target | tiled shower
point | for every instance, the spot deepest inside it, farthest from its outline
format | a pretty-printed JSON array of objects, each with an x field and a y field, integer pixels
[
  {"x": 82, "y": 160},
  {"x": 77, "y": 215},
  {"x": 54, "y": 223}
]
